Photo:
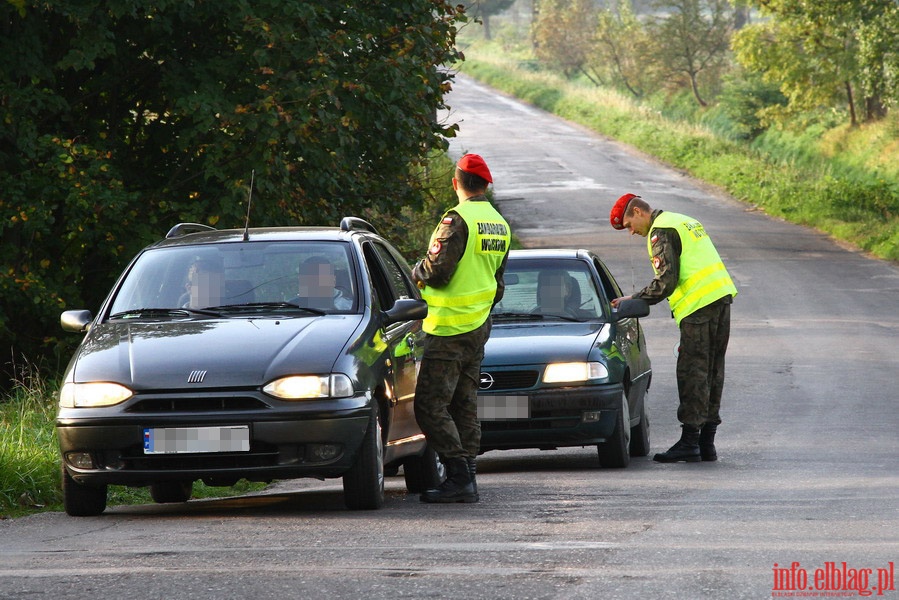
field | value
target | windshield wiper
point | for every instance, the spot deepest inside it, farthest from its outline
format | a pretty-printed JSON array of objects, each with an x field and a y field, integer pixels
[
  {"x": 518, "y": 315},
  {"x": 139, "y": 313},
  {"x": 256, "y": 306}
]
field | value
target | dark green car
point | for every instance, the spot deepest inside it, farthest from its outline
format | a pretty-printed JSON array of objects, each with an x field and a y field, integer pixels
[
  {"x": 260, "y": 354},
  {"x": 562, "y": 368}
]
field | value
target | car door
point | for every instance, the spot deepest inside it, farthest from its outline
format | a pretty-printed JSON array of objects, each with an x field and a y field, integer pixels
[
  {"x": 404, "y": 340},
  {"x": 629, "y": 338}
]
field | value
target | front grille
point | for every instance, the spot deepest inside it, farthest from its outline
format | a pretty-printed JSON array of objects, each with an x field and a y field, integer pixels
[
  {"x": 194, "y": 405},
  {"x": 510, "y": 380},
  {"x": 261, "y": 455},
  {"x": 534, "y": 423}
]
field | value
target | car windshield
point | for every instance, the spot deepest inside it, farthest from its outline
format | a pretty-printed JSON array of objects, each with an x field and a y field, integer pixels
[
  {"x": 233, "y": 278},
  {"x": 546, "y": 289}
]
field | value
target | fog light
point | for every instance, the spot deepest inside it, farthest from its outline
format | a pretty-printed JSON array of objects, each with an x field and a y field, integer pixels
[
  {"x": 322, "y": 452},
  {"x": 591, "y": 416},
  {"x": 80, "y": 460}
]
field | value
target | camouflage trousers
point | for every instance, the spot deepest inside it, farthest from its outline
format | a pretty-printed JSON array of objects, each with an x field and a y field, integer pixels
[
  {"x": 446, "y": 395},
  {"x": 700, "y": 364}
]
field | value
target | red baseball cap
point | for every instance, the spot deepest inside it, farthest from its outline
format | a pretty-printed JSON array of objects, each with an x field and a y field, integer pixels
[
  {"x": 473, "y": 163},
  {"x": 616, "y": 216}
]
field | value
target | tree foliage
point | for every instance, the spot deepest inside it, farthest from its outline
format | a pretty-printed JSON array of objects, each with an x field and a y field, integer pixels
[
  {"x": 621, "y": 45},
  {"x": 121, "y": 117},
  {"x": 484, "y": 9},
  {"x": 692, "y": 42},
  {"x": 826, "y": 52},
  {"x": 564, "y": 33}
]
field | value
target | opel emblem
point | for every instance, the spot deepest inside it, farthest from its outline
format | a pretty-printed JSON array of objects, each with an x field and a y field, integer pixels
[{"x": 486, "y": 381}]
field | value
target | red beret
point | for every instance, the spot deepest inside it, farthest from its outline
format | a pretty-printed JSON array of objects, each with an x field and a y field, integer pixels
[
  {"x": 473, "y": 163},
  {"x": 616, "y": 217}
]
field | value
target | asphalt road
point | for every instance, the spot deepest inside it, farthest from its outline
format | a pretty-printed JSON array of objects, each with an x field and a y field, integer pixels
[{"x": 807, "y": 479}]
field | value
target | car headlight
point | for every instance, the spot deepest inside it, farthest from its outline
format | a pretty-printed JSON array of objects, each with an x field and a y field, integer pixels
[
  {"x": 302, "y": 387},
  {"x": 92, "y": 395},
  {"x": 574, "y": 371}
]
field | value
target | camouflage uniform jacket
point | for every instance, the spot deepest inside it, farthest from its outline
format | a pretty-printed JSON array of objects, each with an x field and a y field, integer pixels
[
  {"x": 447, "y": 247},
  {"x": 666, "y": 249}
]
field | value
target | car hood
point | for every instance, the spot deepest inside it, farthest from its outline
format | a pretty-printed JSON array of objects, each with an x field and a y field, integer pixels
[
  {"x": 537, "y": 343},
  {"x": 232, "y": 352}
]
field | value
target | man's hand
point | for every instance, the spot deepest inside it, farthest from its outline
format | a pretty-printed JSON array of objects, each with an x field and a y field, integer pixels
[{"x": 617, "y": 301}]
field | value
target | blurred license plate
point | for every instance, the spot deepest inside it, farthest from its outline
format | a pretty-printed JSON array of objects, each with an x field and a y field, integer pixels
[
  {"x": 503, "y": 408},
  {"x": 177, "y": 440}
]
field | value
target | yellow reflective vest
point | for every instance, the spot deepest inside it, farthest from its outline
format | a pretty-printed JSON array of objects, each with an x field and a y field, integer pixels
[
  {"x": 702, "y": 278},
  {"x": 464, "y": 303}
]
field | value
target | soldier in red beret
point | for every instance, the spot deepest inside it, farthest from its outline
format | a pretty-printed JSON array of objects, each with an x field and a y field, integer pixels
[
  {"x": 690, "y": 274},
  {"x": 461, "y": 277}
]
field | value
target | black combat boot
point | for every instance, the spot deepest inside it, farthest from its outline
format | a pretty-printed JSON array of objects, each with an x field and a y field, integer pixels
[
  {"x": 472, "y": 472},
  {"x": 686, "y": 449},
  {"x": 456, "y": 488},
  {"x": 707, "y": 442}
]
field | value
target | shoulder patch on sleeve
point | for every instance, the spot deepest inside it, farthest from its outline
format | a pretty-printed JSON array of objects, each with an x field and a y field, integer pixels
[
  {"x": 435, "y": 248},
  {"x": 654, "y": 238},
  {"x": 447, "y": 220}
]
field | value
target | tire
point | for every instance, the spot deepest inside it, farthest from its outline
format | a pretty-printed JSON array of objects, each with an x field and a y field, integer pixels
[
  {"x": 363, "y": 484},
  {"x": 640, "y": 432},
  {"x": 615, "y": 452},
  {"x": 424, "y": 472},
  {"x": 82, "y": 500},
  {"x": 167, "y": 492}
]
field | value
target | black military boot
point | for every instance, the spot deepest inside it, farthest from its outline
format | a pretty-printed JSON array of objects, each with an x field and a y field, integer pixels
[
  {"x": 707, "y": 442},
  {"x": 472, "y": 472},
  {"x": 686, "y": 449},
  {"x": 457, "y": 486}
]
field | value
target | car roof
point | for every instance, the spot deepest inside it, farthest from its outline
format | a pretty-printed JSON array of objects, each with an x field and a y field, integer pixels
[
  {"x": 552, "y": 253},
  {"x": 190, "y": 234}
]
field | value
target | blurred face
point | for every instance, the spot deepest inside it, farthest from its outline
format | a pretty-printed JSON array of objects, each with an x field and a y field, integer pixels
[
  {"x": 317, "y": 281},
  {"x": 553, "y": 292},
  {"x": 637, "y": 222},
  {"x": 205, "y": 287}
]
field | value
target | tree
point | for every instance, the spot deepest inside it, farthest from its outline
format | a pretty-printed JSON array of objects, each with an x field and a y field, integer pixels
[
  {"x": 691, "y": 40},
  {"x": 484, "y": 9},
  {"x": 564, "y": 35},
  {"x": 827, "y": 52},
  {"x": 620, "y": 39},
  {"x": 122, "y": 117}
]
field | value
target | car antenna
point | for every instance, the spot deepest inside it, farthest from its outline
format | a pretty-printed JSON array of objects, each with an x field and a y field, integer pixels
[{"x": 246, "y": 229}]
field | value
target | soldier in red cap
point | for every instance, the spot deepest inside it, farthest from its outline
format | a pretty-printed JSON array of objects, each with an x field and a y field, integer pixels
[
  {"x": 690, "y": 274},
  {"x": 461, "y": 277}
]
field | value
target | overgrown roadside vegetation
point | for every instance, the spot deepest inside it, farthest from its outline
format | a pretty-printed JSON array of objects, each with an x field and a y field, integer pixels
[
  {"x": 787, "y": 175},
  {"x": 29, "y": 456}
]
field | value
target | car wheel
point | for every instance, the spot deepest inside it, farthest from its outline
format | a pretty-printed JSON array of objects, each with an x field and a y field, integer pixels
[
  {"x": 640, "y": 432},
  {"x": 82, "y": 500},
  {"x": 363, "y": 484},
  {"x": 615, "y": 452},
  {"x": 423, "y": 472},
  {"x": 166, "y": 492}
]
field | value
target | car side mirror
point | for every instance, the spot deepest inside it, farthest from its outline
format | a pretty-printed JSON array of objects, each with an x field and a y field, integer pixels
[
  {"x": 627, "y": 309},
  {"x": 76, "y": 321},
  {"x": 406, "y": 309}
]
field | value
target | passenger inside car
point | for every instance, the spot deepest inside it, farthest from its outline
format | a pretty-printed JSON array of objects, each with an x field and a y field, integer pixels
[
  {"x": 205, "y": 284},
  {"x": 557, "y": 294},
  {"x": 318, "y": 286}
]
